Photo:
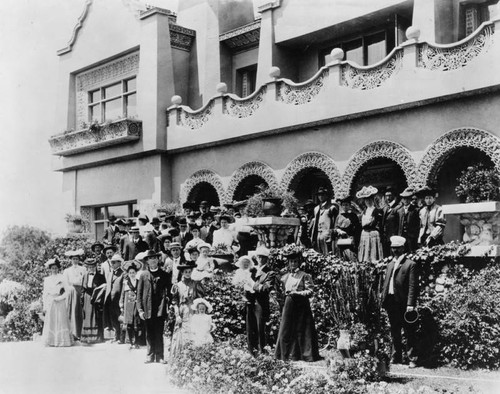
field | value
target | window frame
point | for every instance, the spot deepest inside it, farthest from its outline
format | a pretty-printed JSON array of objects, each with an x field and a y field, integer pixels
[{"x": 94, "y": 223}]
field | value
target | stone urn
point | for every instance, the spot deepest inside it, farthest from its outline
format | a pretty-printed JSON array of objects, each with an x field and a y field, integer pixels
[
  {"x": 344, "y": 343},
  {"x": 75, "y": 226}
]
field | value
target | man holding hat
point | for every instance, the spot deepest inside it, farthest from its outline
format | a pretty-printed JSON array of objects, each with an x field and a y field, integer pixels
[
  {"x": 399, "y": 296},
  {"x": 257, "y": 307},
  {"x": 432, "y": 220},
  {"x": 323, "y": 224},
  {"x": 391, "y": 218},
  {"x": 409, "y": 225},
  {"x": 153, "y": 293}
]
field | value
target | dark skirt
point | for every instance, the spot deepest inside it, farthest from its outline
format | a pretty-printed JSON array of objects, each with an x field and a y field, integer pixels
[
  {"x": 297, "y": 337},
  {"x": 91, "y": 323}
]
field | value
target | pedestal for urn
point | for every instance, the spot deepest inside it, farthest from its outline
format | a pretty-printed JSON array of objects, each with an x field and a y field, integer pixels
[
  {"x": 481, "y": 221},
  {"x": 275, "y": 231}
]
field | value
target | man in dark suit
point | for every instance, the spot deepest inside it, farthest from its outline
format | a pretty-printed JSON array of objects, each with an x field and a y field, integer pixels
[
  {"x": 325, "y": 214},
  {"x": 114, "y": 282},
  {"x": 257, "y": 308},
  {"x": 399, "y": 296},
  {"x": 409, "y": 224},
  {"x": 390, "y": 220},
  {"x": 153, "y": 291},
  {"x": 152, "y": 236},
  {"x": 110, "y": 231},
  {"x": 135, "y": 246},
  {"x": 184, "y": 235}
]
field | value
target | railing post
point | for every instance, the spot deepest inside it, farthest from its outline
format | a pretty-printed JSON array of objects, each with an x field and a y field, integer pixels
[{"x": 334, "y": 62}]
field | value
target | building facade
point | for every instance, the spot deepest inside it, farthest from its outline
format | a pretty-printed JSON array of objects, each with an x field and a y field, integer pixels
[{"x": 209, "y": 102}]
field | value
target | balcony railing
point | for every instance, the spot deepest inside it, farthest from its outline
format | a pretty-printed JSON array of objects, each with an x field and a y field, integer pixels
[
  {"x": 411, "y": 74},
  {"x": 96, "y": 137}
]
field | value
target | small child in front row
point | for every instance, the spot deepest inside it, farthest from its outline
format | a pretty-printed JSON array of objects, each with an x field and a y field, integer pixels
[
  {"x": 201, "y": 322},
  {"x": 243, "y": 275}
]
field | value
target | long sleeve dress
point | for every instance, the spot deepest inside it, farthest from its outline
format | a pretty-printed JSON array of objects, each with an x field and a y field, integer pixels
[
  {"x": 56, "y": 327},
  {"x": 297, "y": 337},
  {"x": 370, "y": 245}
]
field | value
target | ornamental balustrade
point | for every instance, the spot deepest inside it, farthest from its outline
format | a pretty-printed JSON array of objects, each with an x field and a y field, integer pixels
[{"x": 96, "y": 136}]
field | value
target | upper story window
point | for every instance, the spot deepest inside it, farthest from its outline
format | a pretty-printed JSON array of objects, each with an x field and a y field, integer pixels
[
  {"x": 107, "y": 92},
  {"x": 246, "y": 79},
  {"x": 472, "y": 15},
  {"x": 118, "y": 100}
]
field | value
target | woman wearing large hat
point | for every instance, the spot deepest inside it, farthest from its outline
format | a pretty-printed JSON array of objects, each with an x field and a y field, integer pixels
[
  {"x": 74, "y": 277},
  {"x": 370, "y": 245},
  {"x": 56, "y": 327},
  {"x": 92, "y": 330},
  {"x": 297, "y": 337},
  {"x": 184, "y": 293}
]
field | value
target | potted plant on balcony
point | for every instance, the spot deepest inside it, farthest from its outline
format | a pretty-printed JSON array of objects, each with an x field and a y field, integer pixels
[
  {"x": 479, "y": 188},
  {"x": 76, "y": 223}
]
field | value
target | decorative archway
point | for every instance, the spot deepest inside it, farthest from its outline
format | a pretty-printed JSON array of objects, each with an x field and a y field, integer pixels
[
  {"x": 388, "y": 149},
  {"x": 252, "y": 168},
  {"x": 200, "y": 176},
  {"x": 438, "y": 151},
  {"x": 312, "y": 160}
]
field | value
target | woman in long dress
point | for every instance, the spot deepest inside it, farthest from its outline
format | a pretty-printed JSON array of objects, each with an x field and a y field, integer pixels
[
  {"x": 128, "y": 305},
  {"x": 56, "y": 327},
  {"x": 297, "y": 337},
  {"x": 92, "y": 330},
  {"x": 184, "y": 293},
  {"x": 370, "y": 245},
  {"x": 74, "y": 277}
]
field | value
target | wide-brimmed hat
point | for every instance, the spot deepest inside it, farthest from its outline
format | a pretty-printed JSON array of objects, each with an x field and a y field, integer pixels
[
  {"x": 135, "y": 229},
  {"x": 204, "y": 204},
  {"x": 90, "y": 262},
  {"x": 227, "y": 218},
  {"x": 151, "y": 253},
  {"x": 96, "y": 244},
  {"x": 346, "y": 200},
  {"x": 214, "y": 209},
  {"x": 191, "y": 249},
  {"x": 194, "y": 226},
  {"x": 203, "y": 245},
  {"x": 186, "y": 265},
  {"x": 322, "y": 190},
  {"x": 75, "y": 253},
  {"x": 163, "y": 237},
  {"x": 143, "y": 217},
  {"x": 109, "y": 247},
  {"x": 240, "y": 261},
  {"x": 199, "y": 301},
  {"x": 228, "y": 205},
  {"x": 182, "y": 221},
  {"x": 155, "y": 220},
  {"x": 262, "y": 251},
  {"x": 207, "y": 215},
  {"x": 132, "y": 264},
  {"x": 427, "y": 191},
  {"x": 408, "y": 192},
  {"x": 292, "y": 253},
  {"x": 112, "y": 219},
  {"x": 175, "y": 245},
  {"x": 117, "y": 257},
  {"x": 189, "y": 205},
  {"x": 411, "y": 316},
  {"x": 121, "y": 222},
  {"x": 366, "y": 191},
  {"x": 51, "y": 262},
  {"x": 170, "y": 218},
  {"x": 140, "y": 256},
  {"x": 397, "y": 241}
]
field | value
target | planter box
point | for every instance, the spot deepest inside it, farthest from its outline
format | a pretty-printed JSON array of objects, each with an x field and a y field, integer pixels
[
  {"x": 481, "y": 221},
  {"x": 274, "y": 230},
  {"x": 114, "y": 133}
]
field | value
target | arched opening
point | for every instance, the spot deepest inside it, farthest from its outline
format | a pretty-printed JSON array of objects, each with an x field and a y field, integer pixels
[
  {"x": 248, "y": 187},
  {"x": 381, "y": 173},
  {"x": 204, "y": 191},
  {"x": 306, "y": 183},
  {"x": 445, "y": 178}
]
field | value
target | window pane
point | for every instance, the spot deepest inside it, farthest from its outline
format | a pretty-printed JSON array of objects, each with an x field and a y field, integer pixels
[
  {"x": 113, "y": 90},
  {"x": 118, "y": 211},
  {"x": 131, "y": 101},
  {"x": 354, "y": 51},
  {"x": 376, "y": 48},
  {"x": 99, "y": 230},
  {"x": 113, "y": 109},
  {"x": 130, "y": 85},
  {"x": 99, "y": 213},
  {"x": 94, "y": 96},
  {"x": 95, "y": 113}
]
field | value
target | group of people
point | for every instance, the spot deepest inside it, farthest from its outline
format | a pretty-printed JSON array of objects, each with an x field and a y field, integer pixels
[{"x": 365, "y": 235}]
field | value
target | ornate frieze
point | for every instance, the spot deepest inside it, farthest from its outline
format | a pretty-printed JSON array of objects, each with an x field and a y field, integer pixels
[
  {"x": 446, "y": 58},
  {"x": 301, "y": 93},
  {"x": 246, "y": 107},
  {"x": 194, "y": 120},
  {"x": 203, "y": 176},
  {"x": 181, "y": 37},
  {"x": 96, "y": 137},
  {"x": 243, "y": 37},
  {"x": 388, "y": 149},
  {"x": 436, "y": 154},
  {"x": 252, "y": 168},
  {"x": 311, "y": 160},
  {"x": 86, "y": 213},
  {"x": 369, "y": 78}
]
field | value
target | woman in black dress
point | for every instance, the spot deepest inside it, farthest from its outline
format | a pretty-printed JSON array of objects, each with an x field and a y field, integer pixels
[{"x": 297, "y": 337}]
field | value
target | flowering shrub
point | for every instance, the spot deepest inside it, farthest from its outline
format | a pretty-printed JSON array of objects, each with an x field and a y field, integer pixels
[
  {"x": 362, "y": 366},
  {"x": 224, "y": 368},
  {"x": 478, "y": 183},
  {"x": 319, "y": 383},
  {"x": 10, "y": 292}
]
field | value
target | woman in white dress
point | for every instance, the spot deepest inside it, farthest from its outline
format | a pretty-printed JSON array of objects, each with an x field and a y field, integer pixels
[
  {"x": 56, "y": 327},
  {"x": 225, "y": 236}
]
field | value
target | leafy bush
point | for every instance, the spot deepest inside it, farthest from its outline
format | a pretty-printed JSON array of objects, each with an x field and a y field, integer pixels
[
  {"x": 320, "y": 383},
  {"x": 469, "y": 321},
  {"x": 253, "y": 207},
  {"x": 478, "y": 183},
  {"x": 361, "y": 366},
  {"x": 10, "y": 292}
]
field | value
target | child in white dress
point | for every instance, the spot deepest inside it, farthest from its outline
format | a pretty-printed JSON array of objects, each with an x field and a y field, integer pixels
[
  {"x": 243, "y": 276},
  {"x": 204, "y": 265},
  {"x": 201, "y": 322}
]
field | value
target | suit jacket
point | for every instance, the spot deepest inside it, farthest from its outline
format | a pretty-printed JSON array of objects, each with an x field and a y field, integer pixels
[
  {"x": 409, "y": 224},
  {"x": 152, "y": 240},
  {"x": 183, "y": 241},
  {"x": 405, "y": 282},
  {"x": 432, "y": 222},
  {"x": 391, "y": 219},
  {"x": 109, "y": 234},
  {"x": 114, "y": 283},
  {"x": 132, "y": 249},
  {"x": 146, "y": 298},
  {"x": 323, "y": 221}
]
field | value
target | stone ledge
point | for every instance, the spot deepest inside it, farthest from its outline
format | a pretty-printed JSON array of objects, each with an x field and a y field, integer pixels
[
  {"x": 273, "y": 221},
  {"x": 475, "y": 207}
]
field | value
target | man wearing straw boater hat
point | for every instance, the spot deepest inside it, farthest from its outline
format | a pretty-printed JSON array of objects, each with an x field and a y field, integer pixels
[
  {"x": 399, "y": 298},
  {"x": 323, "y": 225}
]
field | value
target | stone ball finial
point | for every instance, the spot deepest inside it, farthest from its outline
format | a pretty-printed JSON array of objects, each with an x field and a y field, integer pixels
[
  {"x": 413, "y": 33},
  {"x": 176, "y": 100},
  {"x": 337, "y": 54},
  {"x": 274, "y": 72},
  {"x": 221, "y": 88}
]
